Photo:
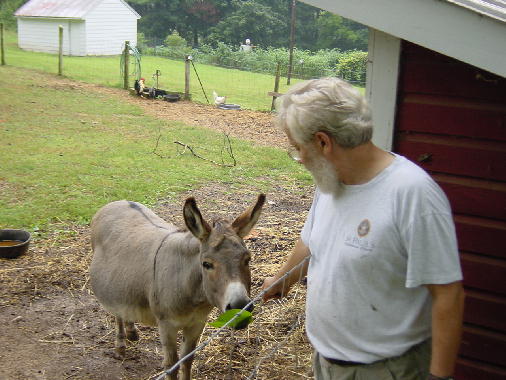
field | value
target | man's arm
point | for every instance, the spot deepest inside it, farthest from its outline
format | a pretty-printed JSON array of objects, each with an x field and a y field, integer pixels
[
  {"x": 447, "y": 314},
  {"x": 299, "y": 253}
]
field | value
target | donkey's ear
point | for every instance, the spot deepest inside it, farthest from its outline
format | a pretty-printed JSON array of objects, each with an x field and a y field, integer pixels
[
  {"x": 194, "y": 221},
  {"x": 245, "y": 222}
]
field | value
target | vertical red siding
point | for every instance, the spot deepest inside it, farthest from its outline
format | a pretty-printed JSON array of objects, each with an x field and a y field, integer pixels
[{"x": 451, "y": 120}]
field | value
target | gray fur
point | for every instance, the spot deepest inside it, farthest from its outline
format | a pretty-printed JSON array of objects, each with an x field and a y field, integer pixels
[{"x": 147, "y": 270}]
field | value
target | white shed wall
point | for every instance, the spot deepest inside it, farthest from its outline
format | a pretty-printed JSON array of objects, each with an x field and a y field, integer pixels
[
  {"x": 108, "y": 26},
  {"x": 77, "y": 35},
  {"x": 41, "y": 35}
]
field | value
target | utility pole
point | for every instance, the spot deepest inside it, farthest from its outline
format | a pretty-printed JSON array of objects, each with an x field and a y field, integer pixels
[{"x": 292, "y": 41}]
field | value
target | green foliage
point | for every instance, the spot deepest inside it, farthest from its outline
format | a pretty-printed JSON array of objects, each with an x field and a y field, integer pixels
[
  {"x": 250, "y": 20},
  {"x": 352, "y": 66},
  {"x": 141, "y": 41},
  {"x": 265, "y": 22},
  {"x": 174, "y": 40},
  {"x": 7, "y": 9},
  {"x": 349, "y": 65},
  {"x": 335, "y": 31},
  {"x": 175, "y": 46}
]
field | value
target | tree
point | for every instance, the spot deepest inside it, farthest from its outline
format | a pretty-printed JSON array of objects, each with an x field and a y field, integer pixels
[
  {"x": 7, "y": 9},
  {"x": 190, "y": 18},
  {"x": 337, "y": 32},
  {"x": 252, "y": 20},
  {"x": 159, "y": 17},
  {"x": 265, "y": 22},
  {"x": 201, "y": 15},
  {"x": 306, "y": 32}
]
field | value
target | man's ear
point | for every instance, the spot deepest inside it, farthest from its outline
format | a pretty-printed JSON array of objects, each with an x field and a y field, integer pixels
[{"x": 324, "y": 142}]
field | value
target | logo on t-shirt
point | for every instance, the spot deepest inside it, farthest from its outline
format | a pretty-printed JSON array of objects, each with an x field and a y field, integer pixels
[{"x": 364, "y": 227}]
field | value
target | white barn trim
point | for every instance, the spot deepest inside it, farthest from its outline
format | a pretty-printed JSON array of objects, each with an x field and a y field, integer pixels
[
  {"x": 381, "y": 84},
  {"x": 473, "y": 37}
]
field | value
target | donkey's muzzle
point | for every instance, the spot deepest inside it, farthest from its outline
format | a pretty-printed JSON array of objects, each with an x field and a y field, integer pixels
[
  {"x": 236, "y": 297},
  {"x": 240, "y": 304}
]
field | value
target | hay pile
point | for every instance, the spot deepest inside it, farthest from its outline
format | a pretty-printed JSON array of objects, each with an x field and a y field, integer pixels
[{"x": 46, "y": 305}]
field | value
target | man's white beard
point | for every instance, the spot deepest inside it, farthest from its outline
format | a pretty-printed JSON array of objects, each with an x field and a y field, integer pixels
[{"x": 324, "y": 174}]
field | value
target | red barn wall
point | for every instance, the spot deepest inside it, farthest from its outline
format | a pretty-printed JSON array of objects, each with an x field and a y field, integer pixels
[{"x": 451, "y": 120}]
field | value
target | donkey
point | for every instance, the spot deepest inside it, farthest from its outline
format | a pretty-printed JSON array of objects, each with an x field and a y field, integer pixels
[{"x": 147, "y": 270}]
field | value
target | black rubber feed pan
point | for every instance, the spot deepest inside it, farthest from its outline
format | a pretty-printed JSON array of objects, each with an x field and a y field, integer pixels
[
  {"x": 14, "y": 243},
  {"x": 172, "y": 97},
  {"x": 228, "y": 106}
]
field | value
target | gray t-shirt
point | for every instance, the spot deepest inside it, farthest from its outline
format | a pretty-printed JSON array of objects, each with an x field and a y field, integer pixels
[{"x": 372, "y": 248}]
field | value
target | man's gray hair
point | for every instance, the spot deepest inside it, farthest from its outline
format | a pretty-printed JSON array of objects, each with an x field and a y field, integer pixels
[{"x": 328, "y": 105}]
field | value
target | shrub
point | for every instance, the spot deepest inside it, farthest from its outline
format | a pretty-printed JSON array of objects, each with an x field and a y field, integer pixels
[
  {"x": 352, "y": 66},
  {"x": 174, "y": 40}
]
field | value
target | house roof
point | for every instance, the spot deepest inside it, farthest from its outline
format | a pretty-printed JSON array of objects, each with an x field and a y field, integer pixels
[
  {"x": 491, "y": 8},
  {"x": 61, "y": 8}
]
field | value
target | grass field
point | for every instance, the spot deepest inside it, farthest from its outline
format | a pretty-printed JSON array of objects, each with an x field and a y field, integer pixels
[
  {"x": 247, "y": 89},
  {"x": 66, "y": 152}
]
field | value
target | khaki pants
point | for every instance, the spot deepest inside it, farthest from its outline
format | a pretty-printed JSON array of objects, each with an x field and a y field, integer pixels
[{"x": 412, "y": 365}]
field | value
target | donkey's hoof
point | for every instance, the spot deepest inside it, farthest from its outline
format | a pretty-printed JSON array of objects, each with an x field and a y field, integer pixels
[
  {"x": 133, "y": 336},
  {"x": 119, "y": 353}
]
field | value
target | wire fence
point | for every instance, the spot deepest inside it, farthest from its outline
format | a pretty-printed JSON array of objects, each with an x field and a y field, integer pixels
[
  {"x": 272, "y": 350},
  {"x": 244, "y": 79}
]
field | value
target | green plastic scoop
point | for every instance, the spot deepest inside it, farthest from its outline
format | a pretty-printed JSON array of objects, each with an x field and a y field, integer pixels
[{"x": 240, "y": 322}]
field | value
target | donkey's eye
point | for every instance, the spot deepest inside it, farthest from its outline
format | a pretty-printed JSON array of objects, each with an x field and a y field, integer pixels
[{"x": 207, "y": 265}]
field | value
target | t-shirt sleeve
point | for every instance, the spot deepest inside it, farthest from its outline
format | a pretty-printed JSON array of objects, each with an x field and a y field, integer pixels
[
  {"x": 431, "y": 246},
  {"x": 305, "y": 235}
]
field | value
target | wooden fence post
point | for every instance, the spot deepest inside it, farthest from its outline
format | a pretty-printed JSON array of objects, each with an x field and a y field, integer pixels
[
  {"x": 60, "y": 50},
  {"x": 126, "y": 64},
  {"x": 2, "y": 50},
  {"x": 276, "y": 85},
  {"x": 187, "y": 77}
]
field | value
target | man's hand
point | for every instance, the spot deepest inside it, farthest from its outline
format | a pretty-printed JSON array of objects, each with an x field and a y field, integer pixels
[
  {"x": 276, "y": 291},
  {"x": 299, "y": 253}
]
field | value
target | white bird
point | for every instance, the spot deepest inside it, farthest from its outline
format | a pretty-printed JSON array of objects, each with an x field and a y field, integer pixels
[{"x": 219, "y": 99}]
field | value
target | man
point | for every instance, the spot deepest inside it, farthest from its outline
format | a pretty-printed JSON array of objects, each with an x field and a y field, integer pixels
[
  {"x": 247, "y": 46},
  {"x": 384, "y": 297}
]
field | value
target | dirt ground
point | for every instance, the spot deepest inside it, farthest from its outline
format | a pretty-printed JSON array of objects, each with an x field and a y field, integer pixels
[
  {"x": 244, "y": 124},
  {"x": 52, "y": 327}
]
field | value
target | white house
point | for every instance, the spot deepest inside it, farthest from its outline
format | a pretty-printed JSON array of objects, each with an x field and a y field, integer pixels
[
  {"x": 436, "y": 82},
  {"x": 90, "y": 27}
]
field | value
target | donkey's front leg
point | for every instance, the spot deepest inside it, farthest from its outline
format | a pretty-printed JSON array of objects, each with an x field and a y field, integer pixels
[
  {"x": 131, "y": 332},
  {"x": 191, "y": 336},
  {"x": 168, "y": 336}
]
